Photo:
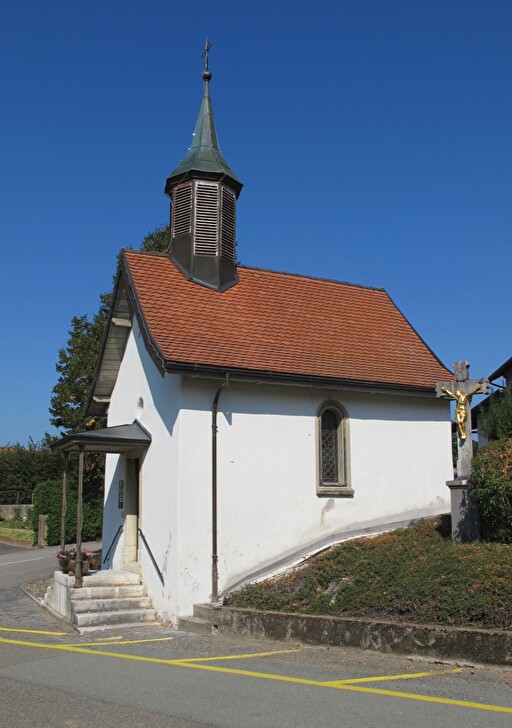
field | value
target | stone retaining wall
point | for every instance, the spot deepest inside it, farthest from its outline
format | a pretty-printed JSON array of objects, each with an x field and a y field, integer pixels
[
  {"x": 16, "y": 542},
  {"x": 454, "y": 643}
]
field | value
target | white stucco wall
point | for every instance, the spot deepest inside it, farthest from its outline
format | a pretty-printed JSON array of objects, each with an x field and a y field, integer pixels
[
  {"x": 268, "y": 509},
  {"x": 140, "y": 382}
]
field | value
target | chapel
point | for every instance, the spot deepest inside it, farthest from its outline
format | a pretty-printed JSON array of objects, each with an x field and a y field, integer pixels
[{"x": 254, "y": 416}]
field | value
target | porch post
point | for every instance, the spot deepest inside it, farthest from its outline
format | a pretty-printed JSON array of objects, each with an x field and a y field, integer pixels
[
  {"x": 79, "y": 519},
  {"x": 64, "y": 505}
]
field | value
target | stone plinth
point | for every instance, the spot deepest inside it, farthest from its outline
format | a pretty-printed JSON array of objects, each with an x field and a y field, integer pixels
[
  {"x": 57, "y": 597},
  {"x": 465, "y": 521}
]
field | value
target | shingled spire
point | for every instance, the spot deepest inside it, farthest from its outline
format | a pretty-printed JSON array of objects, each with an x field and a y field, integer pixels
[{"x": 203, "y": 191}]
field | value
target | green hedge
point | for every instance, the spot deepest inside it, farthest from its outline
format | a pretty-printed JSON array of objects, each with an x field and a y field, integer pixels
[
  {"x": 491, "y": 487},
  {"x": 48, "y": 500},
  {"x": 22, "y": 468}
]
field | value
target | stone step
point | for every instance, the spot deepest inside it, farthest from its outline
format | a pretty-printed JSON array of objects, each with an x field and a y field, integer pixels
[
  {"x": 109, "y": 577},
  {"x": 118, "y": 625},
  {"x": 115, "y": 618},
  {"x": 194, "y": 624},
  {"x": 108, "y": 592},
  {"x": 110, "y": 605},
  {"x": 205, "y": 611}
]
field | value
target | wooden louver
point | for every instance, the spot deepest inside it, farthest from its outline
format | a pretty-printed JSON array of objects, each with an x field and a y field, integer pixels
[
  {"x": 182, "y": 210},
  {"x": 206, "y": 218},
  {"x": 228, "y": 224}
]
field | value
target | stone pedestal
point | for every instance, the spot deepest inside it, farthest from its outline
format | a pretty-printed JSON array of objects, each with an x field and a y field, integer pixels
[
  {"x": 465, "y": 521},
  {"x": 58, "y": 595}
]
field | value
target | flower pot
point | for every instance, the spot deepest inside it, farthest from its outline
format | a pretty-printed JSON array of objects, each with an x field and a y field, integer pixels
[{"x": 72, "y": 567}]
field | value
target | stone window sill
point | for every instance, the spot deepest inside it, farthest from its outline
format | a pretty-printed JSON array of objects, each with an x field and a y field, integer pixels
[{"x": 334, "y": 491}]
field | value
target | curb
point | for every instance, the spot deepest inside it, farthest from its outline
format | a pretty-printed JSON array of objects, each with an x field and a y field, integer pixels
[{"x": 482, "y": 646}]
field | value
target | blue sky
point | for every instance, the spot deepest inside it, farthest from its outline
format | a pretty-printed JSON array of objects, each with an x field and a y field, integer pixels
[{"x": 373, "y": 139}]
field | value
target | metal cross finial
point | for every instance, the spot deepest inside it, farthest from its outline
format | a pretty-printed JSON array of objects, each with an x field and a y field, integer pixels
[{"x": 204, "y": 54}]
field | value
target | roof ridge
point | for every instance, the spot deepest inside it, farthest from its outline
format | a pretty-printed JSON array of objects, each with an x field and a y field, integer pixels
[
  {"x": 320, "y": 279},
  {"x": 155, "y": 253}
]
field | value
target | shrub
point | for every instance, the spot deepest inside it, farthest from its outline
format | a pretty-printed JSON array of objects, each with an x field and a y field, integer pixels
[
  {"x": 409, "y": 575},
  {"x": 48, "y": 500},
  {"x": 496, "y": 415},
  {"x": 491, "y": 487}
]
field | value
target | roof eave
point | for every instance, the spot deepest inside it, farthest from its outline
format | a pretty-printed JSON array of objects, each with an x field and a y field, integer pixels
[
  {"x": 289, "y": 378},
  {"x": 100, "y": 409},
  {"x": 501, "y": 371}
]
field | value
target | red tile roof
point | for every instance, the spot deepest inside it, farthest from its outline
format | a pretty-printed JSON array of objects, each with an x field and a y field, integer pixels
[{"x": 287, "y": 324}]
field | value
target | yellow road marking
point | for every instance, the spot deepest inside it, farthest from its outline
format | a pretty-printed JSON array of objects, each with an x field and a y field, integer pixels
[
  {"x": 122, "y": 642},
  {"x": 267, "y": 676},
  {"x": 32, "y": 631},
  {"x": 239, "y": 657},
  {"x": 405, "y": 676},
  {"x": 85, "y": 651},
  {"x": 351, "y": 688}
]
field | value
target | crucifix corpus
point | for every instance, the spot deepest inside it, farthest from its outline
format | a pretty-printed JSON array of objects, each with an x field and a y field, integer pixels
[
  {"x": 461, "y": 390},
  {"x": 464, "y": 514}
]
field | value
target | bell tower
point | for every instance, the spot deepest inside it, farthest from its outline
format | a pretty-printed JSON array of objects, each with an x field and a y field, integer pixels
[{"x": 203, "y": 190}]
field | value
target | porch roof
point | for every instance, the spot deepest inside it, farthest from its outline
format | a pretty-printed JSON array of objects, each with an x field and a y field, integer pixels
[{"x": 116, "y": 439}]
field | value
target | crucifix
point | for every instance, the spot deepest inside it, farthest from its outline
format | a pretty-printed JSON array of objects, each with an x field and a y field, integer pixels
[
  {"x": 461, "y": 390},
  {"x": 204, "y": 54}
]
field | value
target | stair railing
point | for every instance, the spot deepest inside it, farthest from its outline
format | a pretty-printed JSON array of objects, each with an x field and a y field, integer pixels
[
  {"x": 118, "y": 533},
  {"x": 150, "y": 553}
]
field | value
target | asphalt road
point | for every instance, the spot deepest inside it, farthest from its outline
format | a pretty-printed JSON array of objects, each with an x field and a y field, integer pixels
[{"x": 154, "y": 676}]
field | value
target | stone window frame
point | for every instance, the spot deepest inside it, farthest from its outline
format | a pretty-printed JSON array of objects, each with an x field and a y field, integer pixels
[{"x": 341, "y": 489}]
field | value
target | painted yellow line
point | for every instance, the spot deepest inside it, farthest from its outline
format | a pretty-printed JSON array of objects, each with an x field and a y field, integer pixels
[
  {"x": 85, "y": 651},
  {"x": 267, "y": 676},
  {"x": 380, "y": 678},
  {"x": 239, "y": 657},
  {"x": 122, "y": 642},
  {"x": 351, "y": 688},
  {"x": 32, "y": 631}
]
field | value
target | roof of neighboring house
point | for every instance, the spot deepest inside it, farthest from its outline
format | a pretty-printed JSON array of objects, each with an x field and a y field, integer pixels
[
  {"x": 502, "y": 371},
  {"x": 269, "y": 324},
  {"x": 505, "y": 370}
]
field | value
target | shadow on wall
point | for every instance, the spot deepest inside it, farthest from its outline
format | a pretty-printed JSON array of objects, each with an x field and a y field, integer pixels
[
  {"x": 112, "y": 515},
  {"x": 288, "y": 401}
]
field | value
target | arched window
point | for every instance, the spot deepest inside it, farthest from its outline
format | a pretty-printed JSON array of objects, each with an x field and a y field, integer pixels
[{"x": 333, "y": 451}]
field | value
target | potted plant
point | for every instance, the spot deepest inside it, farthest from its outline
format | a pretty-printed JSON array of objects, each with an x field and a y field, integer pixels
[{"x": 66, "y": 558}]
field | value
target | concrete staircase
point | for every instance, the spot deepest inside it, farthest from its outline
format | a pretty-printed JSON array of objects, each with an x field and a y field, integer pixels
[
  {"x": 110, "y": 600},
  {"x": 202, "y": 621}
]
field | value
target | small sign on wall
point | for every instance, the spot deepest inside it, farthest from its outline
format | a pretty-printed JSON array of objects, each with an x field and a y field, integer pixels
[{"x": 120, "y": 495}]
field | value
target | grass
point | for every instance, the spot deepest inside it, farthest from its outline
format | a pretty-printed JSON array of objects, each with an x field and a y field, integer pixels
[
  {"x": 19, "y": 533},
  {"x": 410, "y": 575}
]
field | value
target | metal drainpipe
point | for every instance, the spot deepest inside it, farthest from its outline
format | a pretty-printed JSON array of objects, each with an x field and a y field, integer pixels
[{"x": 215, "y": 558}]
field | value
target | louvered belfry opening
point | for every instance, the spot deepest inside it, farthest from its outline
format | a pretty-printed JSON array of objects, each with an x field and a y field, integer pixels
[
  {"x": 203, "y": 232},
  {"x": 203, "y": 190}
]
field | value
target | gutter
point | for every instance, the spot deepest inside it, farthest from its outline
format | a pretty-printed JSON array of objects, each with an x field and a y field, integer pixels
[
  {"x": 256, "y": 376},
  {"x": 215, "y": 556}
]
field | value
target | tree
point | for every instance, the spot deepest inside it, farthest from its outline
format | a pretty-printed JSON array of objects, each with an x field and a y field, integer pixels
[
  {"x": 76, "y": 367},
  {"x": 496, "y": 415},
  {"x": 77, "y": 361},
  {"x": 157, "y": 241}
]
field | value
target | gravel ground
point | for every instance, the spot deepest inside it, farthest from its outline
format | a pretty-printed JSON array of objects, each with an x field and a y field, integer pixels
[{"x": 38, "y": 588}]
